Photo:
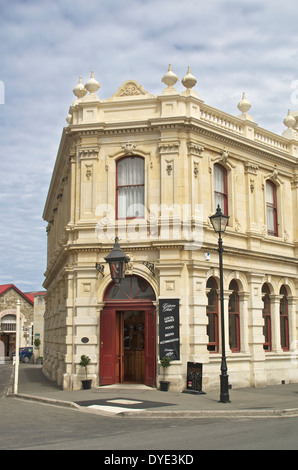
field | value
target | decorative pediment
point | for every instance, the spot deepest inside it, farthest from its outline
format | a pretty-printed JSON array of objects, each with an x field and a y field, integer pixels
[{"x": 130, "y": 88}]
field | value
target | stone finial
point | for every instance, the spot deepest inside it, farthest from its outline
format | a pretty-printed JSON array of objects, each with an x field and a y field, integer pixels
[
  {"x": 289, "y": 120},
  {"x": 79, "y": 90},
  {"x": 244, "y": 106},
  {"x": 92, "y": 85},
  {"x": 170, "y": 78},
  {"x": 189, "y": 80}
]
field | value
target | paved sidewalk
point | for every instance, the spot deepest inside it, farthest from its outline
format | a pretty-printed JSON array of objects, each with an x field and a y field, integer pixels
[{"x": 141, "y": 401}]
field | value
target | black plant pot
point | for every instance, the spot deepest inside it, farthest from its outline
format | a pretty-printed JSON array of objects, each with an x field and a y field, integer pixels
[
  {"x": 164, "y": 385},
  {"x": 86, "y": 384}
]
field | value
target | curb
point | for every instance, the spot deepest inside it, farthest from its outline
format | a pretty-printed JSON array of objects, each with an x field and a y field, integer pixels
[
  {"x": 286, "y": 413},
  {"x": 289, "y": 413},
  {"x": 48, "y": 401}
]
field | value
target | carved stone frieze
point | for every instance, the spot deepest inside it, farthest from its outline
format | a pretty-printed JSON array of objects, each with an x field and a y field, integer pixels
[
  {"x": 196, "y": 169},
  {"x": 251, "y": 168},
  {"x": 169, "y": 167},
  {"x": 168, "y": 147},
  {"x": 195, "y": 149},
  {"x": 128, "y": 148},
  {"x": 130, "y": 88},
  {"x": 294, "y": 182},
  {"x": 88, "y": 153},
  {"x": 89, "y": 169}
]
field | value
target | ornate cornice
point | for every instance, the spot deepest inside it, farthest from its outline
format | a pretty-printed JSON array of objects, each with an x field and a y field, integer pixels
[
  {"x": 198, "y": 127},
  {"x": 249, "y": 146}
]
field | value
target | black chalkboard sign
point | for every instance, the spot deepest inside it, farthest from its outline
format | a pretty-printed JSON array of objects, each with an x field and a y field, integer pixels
[
  {"x": 194, "y": 376},
  {"x": 169, "y": 334}
]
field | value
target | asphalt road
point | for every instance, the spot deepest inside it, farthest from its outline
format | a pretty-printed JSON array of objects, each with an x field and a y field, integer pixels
[
  {"x": 26, "y": 425},
  {"x": 34, "y": 426}
]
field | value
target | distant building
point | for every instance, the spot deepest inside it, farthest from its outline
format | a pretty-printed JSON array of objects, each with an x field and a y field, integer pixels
[
  {"x": 151, "y": 170},
  {"x": 38, "y": 322},
  {"x": 30, "y": 315}
]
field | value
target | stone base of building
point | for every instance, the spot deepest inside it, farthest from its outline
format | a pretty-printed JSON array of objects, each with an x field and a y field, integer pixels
[{"x": 274, "y": 372}]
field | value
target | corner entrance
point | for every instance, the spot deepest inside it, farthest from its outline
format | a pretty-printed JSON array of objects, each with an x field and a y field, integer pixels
[
  {"x": 130, "y": 346},
  {"x": 127, "y": 333}
]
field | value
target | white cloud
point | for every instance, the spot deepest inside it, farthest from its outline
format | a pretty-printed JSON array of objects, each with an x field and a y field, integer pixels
[{"x": 231, "y": 46}]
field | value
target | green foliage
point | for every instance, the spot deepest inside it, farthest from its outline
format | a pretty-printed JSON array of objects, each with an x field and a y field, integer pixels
[
  {"x": 165, "y": 362},
  {"x": 85, "y": 361}
]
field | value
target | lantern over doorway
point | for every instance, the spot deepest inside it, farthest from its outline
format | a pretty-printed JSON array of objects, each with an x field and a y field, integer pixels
[{"x": 117, "y": 261}]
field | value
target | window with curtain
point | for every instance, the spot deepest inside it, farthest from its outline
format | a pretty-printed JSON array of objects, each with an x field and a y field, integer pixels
[
  {"x": 284, "y": 319},
  {"x": 130, "y": 188},
  {"x": 234, "y": 318},
  {"x": 220, "y": 188},
  {"x": 271, "y": 207},
  {"x": 212, "y": 314},
  {"x": 267, "y": 317}
]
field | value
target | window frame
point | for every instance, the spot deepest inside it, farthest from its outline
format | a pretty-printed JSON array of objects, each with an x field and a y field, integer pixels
[
  {"x": 272, "y": 207},
  {"x": 235, "y": 315},
  {"x": 215, "y": 314},
  {"x": 224, "y": 194},
  {"x": 118, "y": 187},
  {"x": 284, "y": 319},
  {"x": 267, "y": 318}
]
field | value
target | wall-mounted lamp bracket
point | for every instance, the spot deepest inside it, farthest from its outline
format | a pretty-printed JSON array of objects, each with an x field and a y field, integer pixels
[
  {"x": 101, "y": 269},
  {"x": 150, "y": 266}
]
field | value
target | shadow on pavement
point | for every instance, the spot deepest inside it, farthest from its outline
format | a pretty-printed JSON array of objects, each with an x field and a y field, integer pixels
[{"x": 32, "y": 374}]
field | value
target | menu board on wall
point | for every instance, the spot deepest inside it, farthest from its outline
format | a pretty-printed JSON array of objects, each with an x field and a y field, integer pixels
[{"x": 169, "y": 334}]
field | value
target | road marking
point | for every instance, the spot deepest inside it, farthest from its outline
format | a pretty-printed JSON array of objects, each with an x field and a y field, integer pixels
[
  {"x": 112, "y": 409},
  {"x": 124, "y": 402}
]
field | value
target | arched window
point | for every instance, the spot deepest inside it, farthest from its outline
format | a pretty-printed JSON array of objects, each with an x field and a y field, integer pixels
[
  {"x": 8, "y": 323},
  {"x": 234, "y": 318},
  {"x": 220, "y": 188},
  {"x": 132, "y": 288},
  {"x": 284, "y": 319},
  {"x": 271, "y": 208},
  {"x": 130, "y": 198},
  {"x": 212, "y": 314},
  {"x": 267, "y": 317}
]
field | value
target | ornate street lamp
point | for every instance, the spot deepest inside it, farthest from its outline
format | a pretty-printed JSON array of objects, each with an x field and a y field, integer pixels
[
  {"x": 219, "y": 223},
  {"x": 117, "y": 261}
]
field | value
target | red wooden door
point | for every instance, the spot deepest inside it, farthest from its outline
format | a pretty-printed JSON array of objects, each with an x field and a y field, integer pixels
[
  {"x": 134, "y": 294},
  {"x": 150, "y": 347},
  {"x": 110, "y": 343},
  {"x": 107, "y": 347}
]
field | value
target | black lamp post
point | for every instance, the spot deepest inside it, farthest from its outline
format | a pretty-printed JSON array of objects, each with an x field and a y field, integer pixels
[
  {"x": 117, "y": 261},
  {"x": 219, "y": 222}
]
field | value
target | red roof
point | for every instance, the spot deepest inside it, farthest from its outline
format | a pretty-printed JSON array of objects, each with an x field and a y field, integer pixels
[
  {"x": 31, "y": 295},
  {"x": 4, "y": 288}
]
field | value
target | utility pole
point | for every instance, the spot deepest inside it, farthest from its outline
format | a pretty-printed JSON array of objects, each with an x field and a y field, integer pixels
[{"x": 17, "y": 356}]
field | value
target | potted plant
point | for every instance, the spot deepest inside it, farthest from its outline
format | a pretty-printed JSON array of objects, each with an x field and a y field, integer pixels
[
  {"x": 37, "y": 343},
  {"x": 165, "y": 362},
  {"x": 85, "y": 361}
]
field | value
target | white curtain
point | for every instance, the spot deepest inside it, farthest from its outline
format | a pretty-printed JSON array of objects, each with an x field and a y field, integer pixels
[
  {"x": 270, "y": 200},
  {"x": 219, "y": 187},
  {"x": 130, "y": 187}
]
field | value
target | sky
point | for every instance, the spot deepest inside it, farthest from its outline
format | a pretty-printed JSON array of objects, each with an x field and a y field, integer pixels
[{"x": 231, "y": 46}]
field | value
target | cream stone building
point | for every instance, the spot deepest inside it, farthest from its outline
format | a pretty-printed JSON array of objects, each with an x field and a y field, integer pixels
[{"x": 151, "y": 170}]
